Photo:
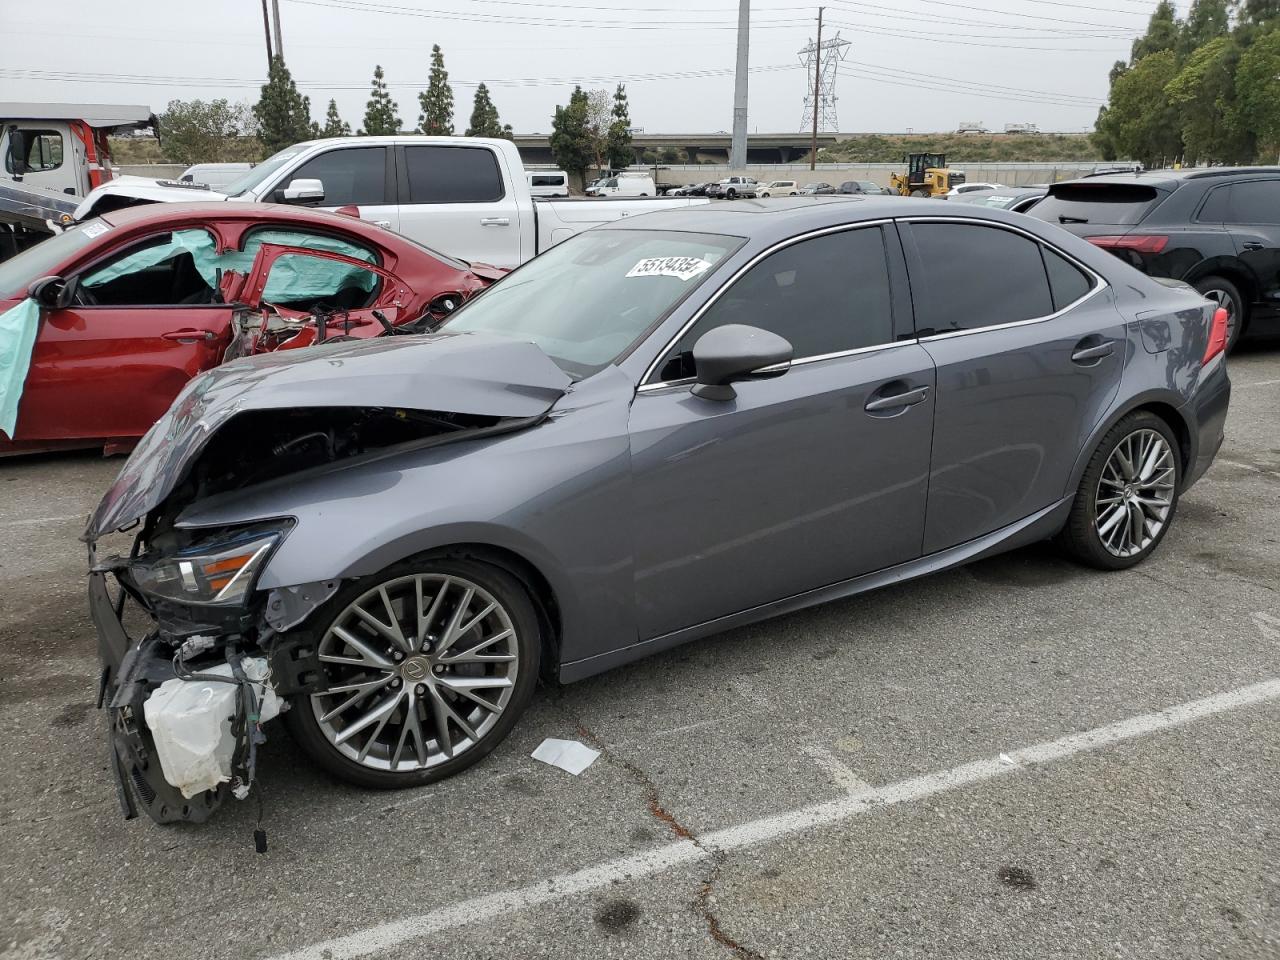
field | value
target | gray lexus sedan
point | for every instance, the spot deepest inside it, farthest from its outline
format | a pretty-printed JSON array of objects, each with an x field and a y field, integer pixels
[{"x": 659, "y": 429}]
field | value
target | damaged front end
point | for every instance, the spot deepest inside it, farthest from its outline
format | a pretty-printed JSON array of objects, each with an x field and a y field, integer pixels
[{"x": 217, "y": 657}]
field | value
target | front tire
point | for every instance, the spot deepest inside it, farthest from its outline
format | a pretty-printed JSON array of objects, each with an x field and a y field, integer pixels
[
  {"x": 427, "y": 667},
  {"x": 1128, "y": 495},
  {"x": 1227, "y": 295}
]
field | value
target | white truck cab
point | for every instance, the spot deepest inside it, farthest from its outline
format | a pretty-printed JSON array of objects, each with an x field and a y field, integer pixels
[
  {"x": 468, "y": 197},
  {"x": 51, "y": 154}
]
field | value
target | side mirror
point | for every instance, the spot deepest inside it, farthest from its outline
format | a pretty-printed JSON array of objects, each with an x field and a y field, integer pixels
[
  {"x": 302, "y": 191},
  {"x": 16, "y": 158},
  {"x": 52, "y": 293},
  {"x": 737, "y": 352}
]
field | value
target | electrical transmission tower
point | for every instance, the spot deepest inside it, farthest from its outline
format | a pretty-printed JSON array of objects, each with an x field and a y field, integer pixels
[{"x": 833, "y": 51}]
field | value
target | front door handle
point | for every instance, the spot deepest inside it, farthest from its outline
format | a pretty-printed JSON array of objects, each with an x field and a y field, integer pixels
[
  {"x": 1092, "y": 353},
  {"x": 908, "y": 398},
  {"x": 1251, "y": 245},
  {"x": 188, "y": 336},
  {"x": 384, "y": 224},
  {"x": 495, "y": 221}
]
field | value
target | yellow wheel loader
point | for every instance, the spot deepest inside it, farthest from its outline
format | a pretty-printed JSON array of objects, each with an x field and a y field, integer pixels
[{"x": 927, "y": 176}]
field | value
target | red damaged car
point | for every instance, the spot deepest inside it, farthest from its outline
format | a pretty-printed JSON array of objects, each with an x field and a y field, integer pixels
[{"x": 135, "y": 303}]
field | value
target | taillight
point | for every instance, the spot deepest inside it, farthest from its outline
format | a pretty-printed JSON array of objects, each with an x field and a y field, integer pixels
[
  {"x": 1217, "y": 335},
  {"x": 1141, "y": 242}
]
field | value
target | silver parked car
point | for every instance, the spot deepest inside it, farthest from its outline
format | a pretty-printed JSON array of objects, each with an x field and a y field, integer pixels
[{"x": 655, "y": 431}]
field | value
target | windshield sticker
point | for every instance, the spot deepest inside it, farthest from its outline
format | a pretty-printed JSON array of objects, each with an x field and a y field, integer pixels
[
  {"x": 682, "y": 268},
  {"x": 92, "y": 230}
]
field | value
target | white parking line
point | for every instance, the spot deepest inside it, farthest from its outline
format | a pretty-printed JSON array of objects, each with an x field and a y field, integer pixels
[
  {"x": 385, "y": 936},
  {"x": 1260, "y": 383},
  {"x": 841, "y": 775}
]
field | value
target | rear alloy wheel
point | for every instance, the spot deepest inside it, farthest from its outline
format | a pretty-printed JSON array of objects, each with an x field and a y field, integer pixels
[
  {"x": 1128, "y": 494},
  {"x": 426, "y": 671},
  {"x": 1226, "y": 295}
]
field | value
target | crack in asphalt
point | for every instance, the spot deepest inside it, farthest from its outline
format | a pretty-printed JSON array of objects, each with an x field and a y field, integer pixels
[{"x": 702, "y": 903}]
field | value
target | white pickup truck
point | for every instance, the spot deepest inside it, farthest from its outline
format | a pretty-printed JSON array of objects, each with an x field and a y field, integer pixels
[{"x": 464, "y": 196}]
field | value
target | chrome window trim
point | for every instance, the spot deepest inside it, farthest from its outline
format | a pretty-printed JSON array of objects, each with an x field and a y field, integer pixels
[
  {"x": 646, "y": 384},
  {"x": 1099, "y": 281},
  {"x": 780, "y": 367}
]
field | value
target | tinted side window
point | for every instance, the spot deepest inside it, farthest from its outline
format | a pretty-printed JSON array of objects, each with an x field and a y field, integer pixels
[
  {"x": 1217, "y": 206},
  {"x": 824, "y": 295},
  {"x": 1067, "y": 282},
  {"x": 453, "y": 175},
  {"x": 976, "y": 277},
  {"x": 357, "y": 175},
  {"x": 1255, "y": 201}
]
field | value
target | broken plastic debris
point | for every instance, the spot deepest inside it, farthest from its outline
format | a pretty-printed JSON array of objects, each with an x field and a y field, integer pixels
[
  {"x": 191, "y": 723},
  {"x": 568, "y": 755},
  {"x": 1005, "y": 758}
]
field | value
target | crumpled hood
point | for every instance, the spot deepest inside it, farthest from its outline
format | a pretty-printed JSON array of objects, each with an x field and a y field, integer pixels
[
  {"x": 145, "y": 188},
  {"x": 465, "y": 373}
]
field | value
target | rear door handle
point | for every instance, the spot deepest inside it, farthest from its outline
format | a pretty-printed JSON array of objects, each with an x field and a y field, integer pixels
[
  {"x": 908, "y": 398},
  {"x": 188, "y": 336},
  {"x": 1096, "y": 352},
  {"x": 384, "y": 224},
  {"x": 495, "y": 221}
]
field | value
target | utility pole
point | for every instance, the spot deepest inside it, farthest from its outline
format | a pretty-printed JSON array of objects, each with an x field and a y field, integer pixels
[
  {"x": 266, "y": 28},
  {"x": 817, "y": 92},
  {"x": 275, "y": 13},
  {"x": 738, "y": 146}
]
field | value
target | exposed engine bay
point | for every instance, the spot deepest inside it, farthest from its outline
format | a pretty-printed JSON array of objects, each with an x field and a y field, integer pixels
[{"x": 188, "y": 700}]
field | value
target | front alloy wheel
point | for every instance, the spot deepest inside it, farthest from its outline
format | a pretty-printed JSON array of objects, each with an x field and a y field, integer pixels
[{"x": 424, "y": 672}]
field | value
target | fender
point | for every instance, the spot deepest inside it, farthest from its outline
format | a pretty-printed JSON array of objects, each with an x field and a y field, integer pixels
[{"x": 1183, "y": 427}]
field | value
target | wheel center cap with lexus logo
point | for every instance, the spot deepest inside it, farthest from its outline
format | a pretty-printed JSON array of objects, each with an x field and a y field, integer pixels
[{"x": 415, "y": 669}]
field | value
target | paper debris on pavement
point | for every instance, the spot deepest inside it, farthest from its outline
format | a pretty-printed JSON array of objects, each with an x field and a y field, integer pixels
[{"x": 568, "y": 755}]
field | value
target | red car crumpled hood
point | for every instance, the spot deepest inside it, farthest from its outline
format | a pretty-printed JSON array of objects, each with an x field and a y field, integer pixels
[{"x": 487, "y": 271}]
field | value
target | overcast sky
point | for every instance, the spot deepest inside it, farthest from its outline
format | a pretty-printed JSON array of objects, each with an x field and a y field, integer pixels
[{"x": 918, "y": 64}]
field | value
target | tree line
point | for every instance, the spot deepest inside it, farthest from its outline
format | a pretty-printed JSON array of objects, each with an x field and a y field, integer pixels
[
  {"x": 1200, "y": 90},
  {"x": 591, "y": 130}
]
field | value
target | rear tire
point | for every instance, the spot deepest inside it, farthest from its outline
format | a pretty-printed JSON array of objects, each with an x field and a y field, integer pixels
[
  {"x": 418, "y": 697},
  {"x": 1226, "y": 294},
  {"x": 1128, "y": 495}
]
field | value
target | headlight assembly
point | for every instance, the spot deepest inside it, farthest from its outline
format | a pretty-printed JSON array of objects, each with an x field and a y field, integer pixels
[{"x": 216, "y": 572}]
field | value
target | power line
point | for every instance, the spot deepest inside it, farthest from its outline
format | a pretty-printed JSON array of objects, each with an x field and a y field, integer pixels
[
  {"x": 968, "y": 43},
  {"x": 967, "y": 6},
  {"x": 530, "y": 21},
  {"x": 995, "y": 87}
]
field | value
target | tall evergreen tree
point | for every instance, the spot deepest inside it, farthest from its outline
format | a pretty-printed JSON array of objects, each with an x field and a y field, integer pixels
[
  {"x": 484, "y": 117},
  {"x": 1206, "y": 21},
  {"x": 618, "y": 145},
  {"x": 1257, "y": 87},
  {"x": 1204, "y": 94},
  {"x": 381, "y": 115},
  {"x": 334, "y": 125},
  {"x": 570, "y": 142},
  {"x": 283, "y": 114},
  {"x": 1162, "y": 33},
  {"x": 437, "y": 100},
  {"x": 1140, "y": 121}
]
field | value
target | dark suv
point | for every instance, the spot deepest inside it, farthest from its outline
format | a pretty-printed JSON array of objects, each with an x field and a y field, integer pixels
[{"x": 1216, "y": 228}]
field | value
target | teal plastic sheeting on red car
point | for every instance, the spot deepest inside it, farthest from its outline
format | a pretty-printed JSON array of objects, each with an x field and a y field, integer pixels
[{"x": 18, "y": 326}]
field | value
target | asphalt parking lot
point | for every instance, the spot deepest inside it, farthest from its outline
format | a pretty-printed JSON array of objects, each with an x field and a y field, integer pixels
[{"x": 1021, "y": 758}]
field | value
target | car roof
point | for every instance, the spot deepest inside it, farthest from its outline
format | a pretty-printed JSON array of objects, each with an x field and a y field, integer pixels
[
  {"x": 159, "y": 214},
  {"x": 1172, "y": 179},
  {"x": 787, "y": 216}
]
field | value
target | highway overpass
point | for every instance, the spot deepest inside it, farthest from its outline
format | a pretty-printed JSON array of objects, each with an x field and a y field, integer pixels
[{"x": 695, "y": 147}]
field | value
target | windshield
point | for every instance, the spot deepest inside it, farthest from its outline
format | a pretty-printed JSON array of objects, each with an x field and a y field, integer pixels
[
  {"x": 586, "y": 301},
  {"x": 18, "y": 273},
  {"x": 247, "y": 181}
]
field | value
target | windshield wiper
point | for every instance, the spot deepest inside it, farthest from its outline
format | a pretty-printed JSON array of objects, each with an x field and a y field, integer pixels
[{"x": 1066, "y": 219}]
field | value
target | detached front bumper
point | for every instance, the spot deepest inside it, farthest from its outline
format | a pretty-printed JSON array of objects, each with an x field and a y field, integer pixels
[{"x": 130, "y": 670}]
